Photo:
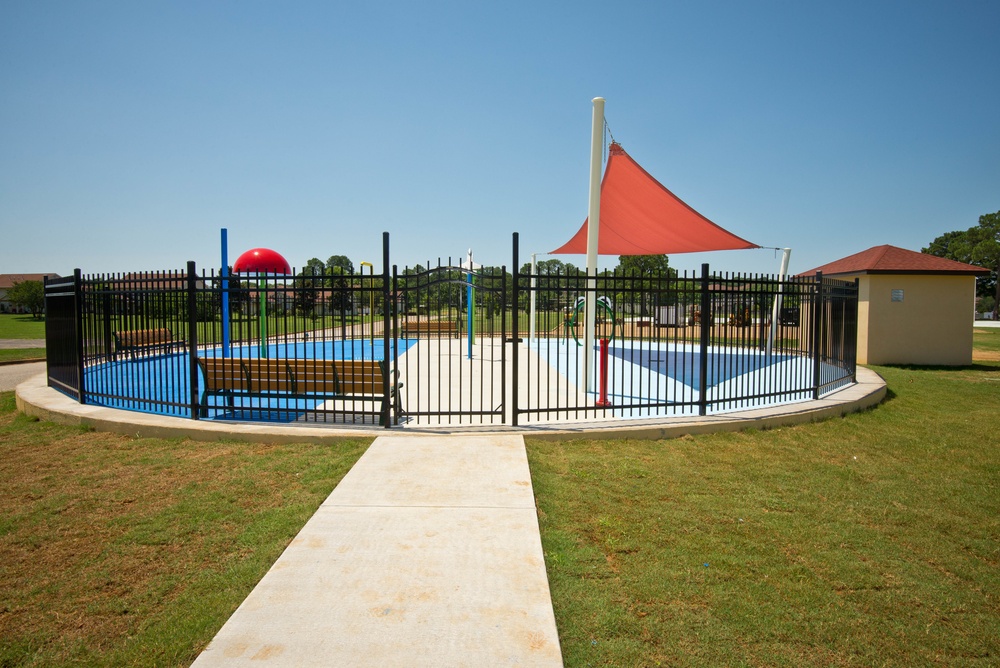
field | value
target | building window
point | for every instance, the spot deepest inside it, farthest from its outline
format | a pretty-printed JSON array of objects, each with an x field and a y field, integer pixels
[{"x": 897, "y": 295}]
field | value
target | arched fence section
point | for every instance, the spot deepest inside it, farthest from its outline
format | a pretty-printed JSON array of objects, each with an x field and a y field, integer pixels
[
  {"x": 678, "y": 343},
  {"x": 445, "y": 344}
]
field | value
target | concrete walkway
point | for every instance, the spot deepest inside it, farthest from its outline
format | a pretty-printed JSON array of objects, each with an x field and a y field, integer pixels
[
  {"x": 13, "y": 374},
  {"x": 426, "y": 554}
]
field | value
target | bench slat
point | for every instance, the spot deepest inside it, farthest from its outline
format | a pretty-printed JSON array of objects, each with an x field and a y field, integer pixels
[
  {"x": 134, "y": 340},
  {"x": 431, "y": 327},
  {"x": 344, "y": 379}
]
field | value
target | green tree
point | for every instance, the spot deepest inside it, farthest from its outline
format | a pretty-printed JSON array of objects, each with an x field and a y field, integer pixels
[
  {"x": 313, "y": 267},
  {"x": 29, "y": 295},
  {"x": 307, "y": 285},
  {"x": 979, "y": 245},
  {"x": 654, "y": 274},
  {"x": 557, "y": 283},
  {"x": 340, "y": 295},
  {"x": 645, "y": 265},
  {"x": 341, "y": 261}
]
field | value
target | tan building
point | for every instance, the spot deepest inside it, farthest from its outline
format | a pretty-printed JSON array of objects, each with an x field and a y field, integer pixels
[{"x": 913, "y": 308}]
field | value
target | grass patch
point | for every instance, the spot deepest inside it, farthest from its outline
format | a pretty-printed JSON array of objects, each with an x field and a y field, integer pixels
[
  {"x": 986, "y": 344},
  {"x": 868, "y": 540},
  {"x": 14, "y": 354},
  {"x": 20, "y": 326},
  {"x": 134, "y": 551}
]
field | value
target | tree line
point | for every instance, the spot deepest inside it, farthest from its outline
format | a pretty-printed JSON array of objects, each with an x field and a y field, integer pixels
[{"x": 979, "y": 246}]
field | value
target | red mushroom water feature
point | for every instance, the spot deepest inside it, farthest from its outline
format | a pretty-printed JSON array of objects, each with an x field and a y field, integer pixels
[{"x": 260, "y": 262}]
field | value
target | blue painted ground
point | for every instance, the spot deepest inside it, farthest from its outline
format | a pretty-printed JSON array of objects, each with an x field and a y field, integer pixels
[
  {"x": 685, "y": 366},
  {"x": 161, "y": 384},
  {"x": 654, "y": 379}
]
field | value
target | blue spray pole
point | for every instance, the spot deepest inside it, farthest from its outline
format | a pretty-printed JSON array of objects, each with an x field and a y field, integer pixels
[{"x": 225, "y": 292}]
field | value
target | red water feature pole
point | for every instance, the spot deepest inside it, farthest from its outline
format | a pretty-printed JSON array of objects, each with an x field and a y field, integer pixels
[{"x": 603, "y": 399}]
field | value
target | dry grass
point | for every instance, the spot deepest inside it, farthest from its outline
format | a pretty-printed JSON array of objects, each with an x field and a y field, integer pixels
[{"x": 117, "y": 550}]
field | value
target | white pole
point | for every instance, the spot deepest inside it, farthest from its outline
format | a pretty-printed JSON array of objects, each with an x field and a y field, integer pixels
[
  {"x": 593, "y": 234},
  {"x": 786, "y": 253},
  {"x": 534, "y": 285},
  {"x": 470, "y": 304},
  {"x": 371, "y": 299}
]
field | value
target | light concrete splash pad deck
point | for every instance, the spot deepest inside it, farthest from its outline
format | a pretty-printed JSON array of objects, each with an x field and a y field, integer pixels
[{"x": 426, "y": 554}]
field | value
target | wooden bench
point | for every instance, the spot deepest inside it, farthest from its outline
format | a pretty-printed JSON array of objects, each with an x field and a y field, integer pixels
[
  {"x": 429, "y": 327},
  {"x": 139, "y": 340},
  {"x": 298, "y": 379}
]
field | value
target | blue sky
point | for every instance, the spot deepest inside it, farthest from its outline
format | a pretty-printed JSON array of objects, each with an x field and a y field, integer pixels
[{"x": 132, "y": 132}]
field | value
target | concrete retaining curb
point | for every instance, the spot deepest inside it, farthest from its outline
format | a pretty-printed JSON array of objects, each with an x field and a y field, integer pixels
[{"x": 35, "y": 398}]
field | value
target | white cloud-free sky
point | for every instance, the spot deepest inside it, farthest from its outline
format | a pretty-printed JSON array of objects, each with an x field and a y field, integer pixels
[{"x": 132, "y": 132}]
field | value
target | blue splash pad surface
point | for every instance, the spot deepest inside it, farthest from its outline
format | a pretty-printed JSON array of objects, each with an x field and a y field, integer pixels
[
  {"x": 161, "y": 384},
  {"x": 679, "y": 363},
  {"x": 685, "y": 366}
]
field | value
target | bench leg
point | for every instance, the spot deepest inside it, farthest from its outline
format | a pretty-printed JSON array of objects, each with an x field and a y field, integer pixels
[
  {"x": 203, "y": 405},
  {"x": 384, "y": 415}
]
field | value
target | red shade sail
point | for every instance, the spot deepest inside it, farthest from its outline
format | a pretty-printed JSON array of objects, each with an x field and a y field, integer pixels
[
  {"x": 261, "y": 261},
  {"x": 639, "y": 216}
]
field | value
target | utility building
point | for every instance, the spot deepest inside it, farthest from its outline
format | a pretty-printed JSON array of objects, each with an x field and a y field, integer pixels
[{"x": 913, "y": 308}]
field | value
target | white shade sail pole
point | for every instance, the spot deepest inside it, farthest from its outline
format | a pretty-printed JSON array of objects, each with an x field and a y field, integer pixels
[
  {"x": 786, "y": 253},
  {"x": 593, "y": 233}
]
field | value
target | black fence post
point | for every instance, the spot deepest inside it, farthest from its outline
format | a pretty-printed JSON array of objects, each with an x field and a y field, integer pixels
[
  {"x": 78, "y": 320},
  {"x": 852, "y": 343},
  {"x": 706, "y": 337},
  {"x": 192, "y": 337},
  {"x": 515, "y": 327},
  {"x": 817, "y": 333},
  {"x": 391, "y": 369}
]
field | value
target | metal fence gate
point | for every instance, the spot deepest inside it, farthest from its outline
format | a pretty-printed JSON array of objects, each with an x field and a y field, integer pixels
[{"x": 451, "y": 333}]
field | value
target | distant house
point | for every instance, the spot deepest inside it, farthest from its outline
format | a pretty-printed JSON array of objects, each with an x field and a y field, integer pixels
[
  {"x": 913, "y": 308},
  {"x": 7, "y": 281},
  {"x": 157, "y": 280}
]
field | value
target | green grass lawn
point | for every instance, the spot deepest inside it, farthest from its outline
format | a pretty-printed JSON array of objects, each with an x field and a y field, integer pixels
[
  {"x": 986, "y": 340},
  {"x": 12, "y": 354},
  {"x": 21, "y": 327},
  {"x": 868, "y": 540}
]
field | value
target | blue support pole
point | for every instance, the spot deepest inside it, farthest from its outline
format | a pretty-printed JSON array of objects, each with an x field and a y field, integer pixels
[{"x": 225, "y": 292}]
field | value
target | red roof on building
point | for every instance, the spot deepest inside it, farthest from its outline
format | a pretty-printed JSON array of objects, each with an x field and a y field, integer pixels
[
  {"x": 892, "y": 260},
  {"x": 8, "y": 280}
]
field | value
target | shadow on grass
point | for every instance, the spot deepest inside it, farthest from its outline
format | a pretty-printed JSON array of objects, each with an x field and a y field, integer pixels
[{"x": 978, "y": 367}]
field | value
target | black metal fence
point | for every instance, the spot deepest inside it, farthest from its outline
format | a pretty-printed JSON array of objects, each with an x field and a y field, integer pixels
[
  {"x": 448, "y": 344},
  {"x": 680, "y": 344},
  {"x": 63, "y": 339}
]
